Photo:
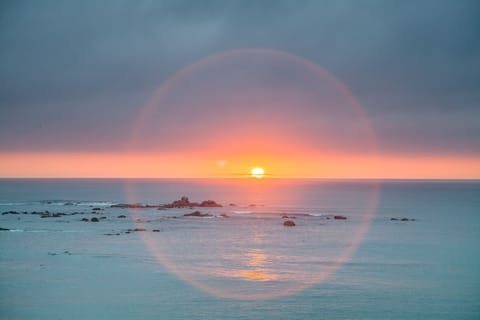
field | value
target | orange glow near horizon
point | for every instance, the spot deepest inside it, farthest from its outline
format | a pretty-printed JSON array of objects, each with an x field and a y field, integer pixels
[
  {"x": 257, "y": 173},
  {"x": 201, "y": 165}
]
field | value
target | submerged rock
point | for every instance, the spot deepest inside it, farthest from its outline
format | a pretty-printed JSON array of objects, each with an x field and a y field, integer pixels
[
  {"x": 94, "y": 219},
  {"x": 9, "y": 212},
  {"x": 155, "y": 230},
  {"x": 197, "y": 214},
  {"x": 85, "y": 219},
  {"x": 4, "y": 229},
  {"x": 121, "y": 216},
  {"x": 289, "y": 223},
  {"x": 339, "y": 217},
  {"x": 128, "y": 206},
  {"x": 402, "y": 219}
]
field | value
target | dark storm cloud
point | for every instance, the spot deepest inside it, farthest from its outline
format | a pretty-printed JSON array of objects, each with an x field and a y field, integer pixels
[{"x": 73, "y": 75}]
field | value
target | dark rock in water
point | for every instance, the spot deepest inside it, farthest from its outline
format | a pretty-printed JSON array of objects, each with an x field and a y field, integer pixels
[
  {"x": 197, "y": 214},
  {"x": 9, "y": 212},
  {"x": 402, "y": 219},
  {"x": 122, "y": 216},
  {"x": 103, "y": 218},
  {"x": 97, "y": 209},
  {"x": 85, "y": 219},
  {"x": 289, "y": 223},
  {"x": 94, "y": 219},
  {"x": 68, "y": 203},
  {"x": 111, "y": 234},
  {"x": 232, "y": 205},
  {"x": 339, "y": 217},
  {"x": 136, "y": 230},
  {"x": 155, "y": 230},
  {"x": 284, "y": 217},
  {"x": 4, "y": 229}
]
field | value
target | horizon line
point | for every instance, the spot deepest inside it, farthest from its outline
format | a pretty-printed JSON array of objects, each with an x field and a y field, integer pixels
[{"x": 240, "y": 178}]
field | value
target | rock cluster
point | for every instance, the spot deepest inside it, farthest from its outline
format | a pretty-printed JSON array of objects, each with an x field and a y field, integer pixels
[{"x": 185, "y": 203}]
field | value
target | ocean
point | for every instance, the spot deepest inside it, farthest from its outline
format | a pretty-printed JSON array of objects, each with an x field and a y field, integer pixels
[{"x": 358, "y": 249}]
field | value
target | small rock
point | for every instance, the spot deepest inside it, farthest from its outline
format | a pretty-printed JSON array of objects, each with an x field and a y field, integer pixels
[
  {"x": 4, "y": 229},
  {"x": 97, "y": 209},
  {"x": 121, "y": 216},
  {"x": 9, "y": 212},
  {"x": 339, "y": 217},
  {"x": 94, "y": 219},
  {"x": 85, "y": 219},
  {"x": 103, "y": 218},
  {"x": 393, "y": 219},
  {"x": 155, "y": 230},
  {"x": 289, "y": 223},
  {"x": 197, "y": 214}
]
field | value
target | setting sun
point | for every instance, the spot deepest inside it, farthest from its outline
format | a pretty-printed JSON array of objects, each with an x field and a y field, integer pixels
[{"x": 257, "y": 173}]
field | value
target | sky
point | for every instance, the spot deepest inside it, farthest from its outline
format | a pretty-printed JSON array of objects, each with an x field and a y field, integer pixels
[{"x": 348, "y": 89}]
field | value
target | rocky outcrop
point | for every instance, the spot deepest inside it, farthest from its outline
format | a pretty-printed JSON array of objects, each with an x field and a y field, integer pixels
[
  {"x": 185, "y": 203},
  {"x": 289, "y": 223},
  {"x": 338, "y": 217}
]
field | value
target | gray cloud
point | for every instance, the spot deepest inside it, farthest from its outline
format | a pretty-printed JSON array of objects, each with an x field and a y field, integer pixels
[{"x": 73, "y": 75}]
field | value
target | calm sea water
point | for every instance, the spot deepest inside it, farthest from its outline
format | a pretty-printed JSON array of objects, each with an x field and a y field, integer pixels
[{"x": 239, "y": 261}]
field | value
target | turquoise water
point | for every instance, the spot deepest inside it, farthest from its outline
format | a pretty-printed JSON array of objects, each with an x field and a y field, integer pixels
[{"x": 64, "y": 268}]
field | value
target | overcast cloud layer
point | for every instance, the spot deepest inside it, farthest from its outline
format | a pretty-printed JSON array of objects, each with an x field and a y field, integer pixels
[{"x": 74, "y": 74}]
